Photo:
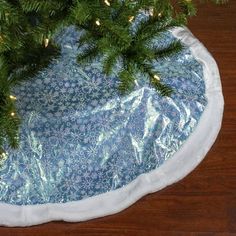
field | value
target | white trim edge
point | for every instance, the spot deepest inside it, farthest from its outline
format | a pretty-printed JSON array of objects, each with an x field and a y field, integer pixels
[{"x": 185, "y": 160}]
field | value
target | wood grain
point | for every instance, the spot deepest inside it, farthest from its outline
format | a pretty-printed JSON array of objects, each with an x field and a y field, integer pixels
[{"x": 204, "y": 203}]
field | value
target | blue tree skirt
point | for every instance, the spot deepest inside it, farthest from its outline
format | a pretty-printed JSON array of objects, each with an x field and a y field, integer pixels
[{"x": 86, "y": 151}]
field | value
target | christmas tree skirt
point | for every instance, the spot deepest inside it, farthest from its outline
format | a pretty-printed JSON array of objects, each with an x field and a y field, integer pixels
[{"x": 86, "y": 151}]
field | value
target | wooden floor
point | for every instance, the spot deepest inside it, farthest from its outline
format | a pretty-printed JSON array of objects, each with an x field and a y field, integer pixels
[{"x": 204, "y": 203}]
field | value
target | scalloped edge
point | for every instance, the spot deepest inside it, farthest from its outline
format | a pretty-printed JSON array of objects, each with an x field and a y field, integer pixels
[{"x": 185, "y": 160}]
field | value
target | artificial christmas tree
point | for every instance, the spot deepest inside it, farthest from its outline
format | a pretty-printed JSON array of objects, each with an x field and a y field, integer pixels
[{"x": 26, "y": 44}]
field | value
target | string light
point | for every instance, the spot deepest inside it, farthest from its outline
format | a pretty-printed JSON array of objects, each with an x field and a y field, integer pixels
[
  {"x": 12, "y": 97},
  {"x": 13, "y": 113},
  {"x": 107, "y": 3},
  {"x": 46, "y": 42},
  {"x": 98, "y": 22},
  {"x": 131, "y": 18},
  {"x": 157, "y": 77},
  {"x": 3, "y": 154},
  {"x": 151, "y": 12}
]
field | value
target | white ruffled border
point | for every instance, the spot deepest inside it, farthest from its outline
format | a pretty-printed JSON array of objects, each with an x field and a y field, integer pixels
[{"x": 176, "y": 168}]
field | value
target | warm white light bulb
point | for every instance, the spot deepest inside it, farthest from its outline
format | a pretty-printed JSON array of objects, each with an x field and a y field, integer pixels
[
  {"x": 157, "y": 77},
  {"x": 3, "y": 154},
  {"x": 98, "y": 22},
  {"x": 46, "y": 42},
  {"x": 107, "y": 3},
  {"x": 151, "y": 12},
  {"x": 12, "y": 97},
  {"x": 131, "y": 18}
]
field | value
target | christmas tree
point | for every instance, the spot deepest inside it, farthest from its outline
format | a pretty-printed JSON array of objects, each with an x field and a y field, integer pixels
[{"x": 112, "y": 31}]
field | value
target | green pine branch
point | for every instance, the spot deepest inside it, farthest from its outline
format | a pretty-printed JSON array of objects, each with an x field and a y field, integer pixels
[{"x": 27, "y": 47}]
